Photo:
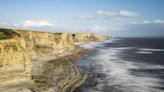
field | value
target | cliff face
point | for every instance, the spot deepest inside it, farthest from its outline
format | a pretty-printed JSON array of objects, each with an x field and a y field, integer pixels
[
  {"x": 90, "y": 37},
  {"x": 13, "y": 52},
  {"x": 18, "y": 48},
  {"x": 44, "y": 43},
  {"x": 24, "y": 53}
]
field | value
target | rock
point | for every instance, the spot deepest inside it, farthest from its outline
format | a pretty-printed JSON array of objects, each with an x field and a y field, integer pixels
[
  {"x": 14, "y": 54},
  {"x": 17, "y": 90},
  {"x": 45, "y": 43},
  {"x": 67, "y": 41},
  {"x": 90, "y": 37}
]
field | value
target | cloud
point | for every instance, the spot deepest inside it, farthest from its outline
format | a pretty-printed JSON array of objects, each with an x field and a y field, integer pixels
[
  {"x": 158, "y": 21},
  {"x": 30, "y": 23},
  {"x": 128, "y": 14},
  {"x": 109, "y": 15},
  {"x": 146, "y": 21},
  {"x": 39, "y": 25},
  {"x": 4, "y": 24},
  {"x": 33, "y": 23},
  {"x": 141, "y": 28},
  {"x": 134, "y": 22},
  {"x": 97, "y": 28}
]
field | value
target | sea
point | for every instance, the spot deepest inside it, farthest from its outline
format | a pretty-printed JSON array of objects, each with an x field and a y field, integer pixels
[{"x": 132, "y": 64}]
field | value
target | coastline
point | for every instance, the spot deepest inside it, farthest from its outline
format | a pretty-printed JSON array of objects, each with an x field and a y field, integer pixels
[
  {"x": 42, "y": 61},
  {"x": 61, "y": 74},
  {"x": 55, "y": 74}
]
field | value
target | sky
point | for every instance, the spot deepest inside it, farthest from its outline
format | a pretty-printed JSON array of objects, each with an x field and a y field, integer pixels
[{"x": 108, "y": 17}]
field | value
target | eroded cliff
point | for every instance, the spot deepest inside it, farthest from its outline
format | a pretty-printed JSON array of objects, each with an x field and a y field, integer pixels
[
  {"x": 81, "y": 37},
  {"x": 19, "y": 49},
  {"x": 41, "y": 59},
  {"x": 13, "y": 52},
  {"x": 22, "y": 46},
  {"x": 45, "y": 43}
]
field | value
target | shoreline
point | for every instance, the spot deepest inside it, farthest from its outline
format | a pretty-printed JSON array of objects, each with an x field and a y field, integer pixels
[
  {"x": 42, "y": 61},
  {"x": 62, "y": 74},
  {"x": 58, "y": 74}
]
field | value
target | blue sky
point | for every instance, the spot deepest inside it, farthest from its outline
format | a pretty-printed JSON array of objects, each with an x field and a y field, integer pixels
[{"x": 113, "y": 17}]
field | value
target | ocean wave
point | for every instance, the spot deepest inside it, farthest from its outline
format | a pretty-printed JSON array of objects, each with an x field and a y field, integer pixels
[
  {"x": 150, "y": 49},
  {"x": 144, "y": 52},
  {"x": 119, "y": 77},
  {"x": 119, "y": 74}
]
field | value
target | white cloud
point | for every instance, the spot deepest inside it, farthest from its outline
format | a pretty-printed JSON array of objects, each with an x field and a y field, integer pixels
[
  {"x": 158, "y": 21},
  {"x": 30, "y": 25},
  {"x": 109, "y": 15},
  {"x": 4, "y": 24},
  {"x": 16, "y": 25},
  {"x": 146, "y": 21},
  {"x": 97, "y": 28},
  {"x": 128, "y": 14},
  {"x": 33, "y": 23},
  {"x": 134, "y": 22}
]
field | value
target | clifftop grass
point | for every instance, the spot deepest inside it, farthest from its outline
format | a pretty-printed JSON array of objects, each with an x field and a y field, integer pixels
[{"x": 7, "y": 34}]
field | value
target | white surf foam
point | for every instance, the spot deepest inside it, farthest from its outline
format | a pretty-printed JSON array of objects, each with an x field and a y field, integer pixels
[
  {"x": 92, "y": 45},
  {"x": 150, "y": 49},
  {"x": 123, "y": 48},
  {"x": 144, "y": 52},
  {"x": 118, "y": 74}
]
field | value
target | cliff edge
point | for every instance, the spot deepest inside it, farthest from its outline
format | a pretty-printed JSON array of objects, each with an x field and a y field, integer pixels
[{"x": 82, "y": 37}]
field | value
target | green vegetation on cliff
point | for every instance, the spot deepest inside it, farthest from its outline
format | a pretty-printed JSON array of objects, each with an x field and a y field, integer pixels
[{"x": 7, "y": 34}]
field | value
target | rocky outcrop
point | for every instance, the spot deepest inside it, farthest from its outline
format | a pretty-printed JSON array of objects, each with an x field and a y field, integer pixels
[
  {"x": 90, "y": 37},
  {"x": 60, "y": 74}
]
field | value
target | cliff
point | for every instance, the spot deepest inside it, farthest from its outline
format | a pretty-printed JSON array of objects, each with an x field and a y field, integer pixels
[
  {"x": 13, "y": 52},
  {"x": 90, "y": 37},
  {"x": 19, "y": 49},
  {"x": 41, "y": 59},
  {"x": 44, "y": 43},
  {"x": 22, "y": 46}
]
